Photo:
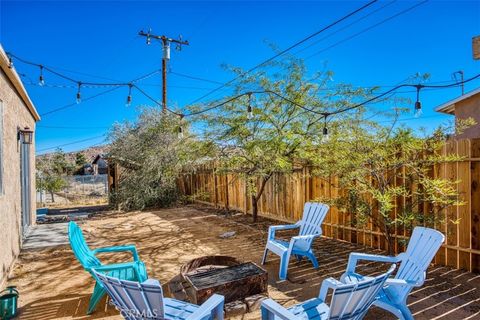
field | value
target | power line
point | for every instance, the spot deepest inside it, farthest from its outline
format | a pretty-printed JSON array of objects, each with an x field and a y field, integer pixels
[
  {"x": 70, "y": 143},
  {"x": 285, "y": 50},
  {"x": 73, "y": 128},
  {"x": 74, "y": 103},
  {"x": 368, "y": 29},
  {"x": 345, "y": 27},
  {"x": 194, "y": 77}
]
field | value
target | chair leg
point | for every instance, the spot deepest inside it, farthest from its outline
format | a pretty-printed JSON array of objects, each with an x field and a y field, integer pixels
[
  {"x": 264, "y": 259},
  {"x": 97, "y": 295},
  {"x": 407, "y": 315},
  {"x": 312, "y": 258},
  {"x": 284, "y": 260}
]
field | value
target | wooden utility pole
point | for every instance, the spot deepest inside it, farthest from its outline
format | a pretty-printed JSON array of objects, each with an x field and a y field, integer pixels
[{"x": 166, "y": 56}]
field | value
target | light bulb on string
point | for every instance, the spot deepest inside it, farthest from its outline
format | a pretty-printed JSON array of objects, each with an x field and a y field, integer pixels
[
  {"x": 129, "y": 97},
  {"x": 180, "y": 128},
  {"x": 79, "y": 96},
  {"x": 326, "y": 136},
  {"x": 249, "y": 107},
  {"x": 418, "y": 105},
  {"x": 41, "y": 80}
]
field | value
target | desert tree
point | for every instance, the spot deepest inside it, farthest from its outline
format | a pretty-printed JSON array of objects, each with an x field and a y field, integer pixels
[{"x": 275, "y": 117}]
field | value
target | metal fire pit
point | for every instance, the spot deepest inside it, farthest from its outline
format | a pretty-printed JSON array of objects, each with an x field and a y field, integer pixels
[{"x": 224, "y": 275}]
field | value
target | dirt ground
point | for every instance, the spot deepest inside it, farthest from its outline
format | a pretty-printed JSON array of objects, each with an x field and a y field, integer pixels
[{"x": 53, "y": 285}]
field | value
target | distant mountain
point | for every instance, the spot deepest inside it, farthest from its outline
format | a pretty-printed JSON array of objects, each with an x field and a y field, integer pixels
[{"x": 90, "y": 153}]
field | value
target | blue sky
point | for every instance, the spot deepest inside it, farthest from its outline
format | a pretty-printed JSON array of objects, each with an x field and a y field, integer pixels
[{"x": 100, "y": 39}]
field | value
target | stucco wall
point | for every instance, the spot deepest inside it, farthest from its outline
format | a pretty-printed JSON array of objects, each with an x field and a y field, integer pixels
[
  {"x": 467, "y": 108},
  {"x": 15, "y": 114}
]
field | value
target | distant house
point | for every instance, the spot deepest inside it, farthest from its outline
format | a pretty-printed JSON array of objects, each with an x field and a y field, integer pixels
[
  {"x": 464, "y": 107},
  {"x": 17, "y": 164},
  {"x": 100, "y": 165}
]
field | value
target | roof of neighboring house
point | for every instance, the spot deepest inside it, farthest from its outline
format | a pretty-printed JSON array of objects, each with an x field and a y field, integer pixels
[
  {"x": 449, "y": 107},
  {"x": 17, "y": 83},
  {"x": 98, "y": 158}
]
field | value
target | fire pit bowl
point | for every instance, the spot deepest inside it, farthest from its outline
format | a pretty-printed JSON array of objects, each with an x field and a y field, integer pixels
[
  {"x": 228, "y": 276},
  {"x": 208, "y": 263}
]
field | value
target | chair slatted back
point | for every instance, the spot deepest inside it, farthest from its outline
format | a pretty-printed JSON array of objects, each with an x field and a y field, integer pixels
[
  {"x": 80, "y": 248},
  {"x": 421, "y": 250},
  {"x": 135, "y": 300},
  {"x": 352, "y": 301},
  {"x": 313, "y": 215}
]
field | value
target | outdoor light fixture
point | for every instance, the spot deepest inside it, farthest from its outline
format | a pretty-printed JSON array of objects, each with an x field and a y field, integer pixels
[
  {"x": 249, "y": 107},
  {"x": 418, "y": 104},
  {"x": 326, "y": 136},
  {"x": 79, "y": 96},
  {"x": 129, "y": 98},
  {"x": 25, "y": 135},
  {"x": 10, "y": 62},
  {"x": 180, "y": 129},
  {"x": 41, "y": 81}
]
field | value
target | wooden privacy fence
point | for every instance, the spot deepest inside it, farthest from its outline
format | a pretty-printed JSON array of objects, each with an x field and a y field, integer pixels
[{"x": 285, "y": 195}]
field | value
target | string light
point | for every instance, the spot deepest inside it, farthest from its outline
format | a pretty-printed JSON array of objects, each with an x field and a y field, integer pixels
[
  {"x": 41, "y": 81},
  {"x": 418, "y": 105},
  {"x": 129, "y": 97},
  {"x": 249, "y": 107},
  {"x": 326, "y": 136},
  {"x": 79, "y": 96},
  {"x": 180, "y": 129}
]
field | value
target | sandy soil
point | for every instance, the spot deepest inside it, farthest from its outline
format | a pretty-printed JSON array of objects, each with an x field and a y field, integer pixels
[{"x": 53, "y": 285}]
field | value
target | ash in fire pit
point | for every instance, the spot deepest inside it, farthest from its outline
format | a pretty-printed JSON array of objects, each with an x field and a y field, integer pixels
[{"x": 228, "y": 276}]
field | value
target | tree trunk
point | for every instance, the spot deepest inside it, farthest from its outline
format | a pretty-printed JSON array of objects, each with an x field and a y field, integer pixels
[
  {"x": 53, "y": 197},
  {"x": 254, "y": 208}
]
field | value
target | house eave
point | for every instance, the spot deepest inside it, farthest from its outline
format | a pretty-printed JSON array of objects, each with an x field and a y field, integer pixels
[
  {"x": 13, "y": 76},
  {"x": 449, "y": 106}
]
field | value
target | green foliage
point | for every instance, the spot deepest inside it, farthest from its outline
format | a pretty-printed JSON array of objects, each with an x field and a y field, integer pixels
[
  {"x": 379, "y": 165},
  {"x": 280, "y": 133},
  {"x": 80, "y": 159},
  {"x": 51, "y": 171},
  {"x": 151, "y": 156}
]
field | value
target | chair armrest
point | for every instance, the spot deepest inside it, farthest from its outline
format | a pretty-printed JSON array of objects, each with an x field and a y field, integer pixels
[
  {"x": 271, "y": 306},
  {"x": 213, "y": 304},
  {"x": 130, "y": 248},
  {"x": 402, "y": 282},
  {"x": 119, "y": 266},
  {"x": 329, "y": 283},
  {"x": 152, "y": 282},
  {"x": 355, "y": 256},
  {"x": 273, "y": 229}
]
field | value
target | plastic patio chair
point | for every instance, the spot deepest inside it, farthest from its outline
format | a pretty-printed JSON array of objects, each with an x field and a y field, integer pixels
[
  {"x": 301, "y": 245},
  {"x": 348, "y": 301},
  {"x": 145, "y": 300},
  {"x": 422, "y": 247},
  {"x": 133, "y": 270}
]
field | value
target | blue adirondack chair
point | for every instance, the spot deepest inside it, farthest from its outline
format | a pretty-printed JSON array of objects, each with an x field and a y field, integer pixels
[
  {"x": 145, "y": 300},
  {"x": 348, "y": 301},
  {"x": 301, "y": 245},
  {"x": 134, "y": 270},
  {"x": 422, "y": 247}
]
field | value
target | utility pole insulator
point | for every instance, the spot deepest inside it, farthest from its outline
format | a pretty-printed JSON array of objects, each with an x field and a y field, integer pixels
[{"x": 166, "y": 56}]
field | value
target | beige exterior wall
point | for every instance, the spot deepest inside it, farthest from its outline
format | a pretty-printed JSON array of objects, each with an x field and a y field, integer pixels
[
  {"x": 15, "y": 114},
  {"x": 469, "y": 108}
]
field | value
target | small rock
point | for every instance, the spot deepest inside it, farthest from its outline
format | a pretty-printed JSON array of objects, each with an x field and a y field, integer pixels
[
  {"x": 227, "y": 234},
  {"x": 254, "y": 302},
  {"x": 235, "y": 308}
]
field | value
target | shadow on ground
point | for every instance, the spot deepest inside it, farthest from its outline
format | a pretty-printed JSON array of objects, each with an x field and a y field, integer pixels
[{"x": 53, "y": 285}]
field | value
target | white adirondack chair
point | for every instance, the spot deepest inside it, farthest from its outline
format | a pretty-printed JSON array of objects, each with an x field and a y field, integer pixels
[
  {"x": 145, "y": 300},
  {"x": 422, "y": 247},
  {"x": 348, "y": 301},
  {"x": 301, "y": 245}
]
